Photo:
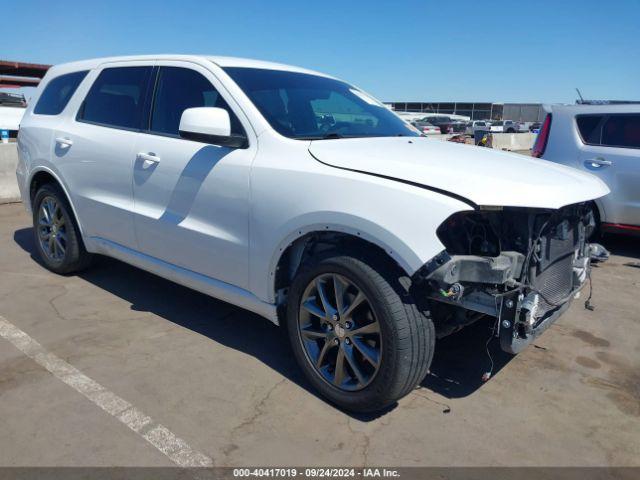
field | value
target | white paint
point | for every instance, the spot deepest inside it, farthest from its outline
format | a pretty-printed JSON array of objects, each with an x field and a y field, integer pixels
[
  {"x": 206, "y": 121},
  {"x": 482, "y": 175},
  {"x": 178, "y": 451}
]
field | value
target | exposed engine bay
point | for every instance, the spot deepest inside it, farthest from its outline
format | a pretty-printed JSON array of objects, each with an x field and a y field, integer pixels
[{"x": 522, "y": 266}]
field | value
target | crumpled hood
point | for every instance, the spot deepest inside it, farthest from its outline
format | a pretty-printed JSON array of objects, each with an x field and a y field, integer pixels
[{"x": 481, "y": 175}]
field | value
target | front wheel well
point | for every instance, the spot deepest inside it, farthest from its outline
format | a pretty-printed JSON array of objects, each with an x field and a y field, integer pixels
[{"x": 320, "y": 242}]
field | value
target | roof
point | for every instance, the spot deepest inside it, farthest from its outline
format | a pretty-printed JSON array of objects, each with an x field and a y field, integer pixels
[
  {"x": 218, "y": 60},
  {"x": 597, "y": 108}
]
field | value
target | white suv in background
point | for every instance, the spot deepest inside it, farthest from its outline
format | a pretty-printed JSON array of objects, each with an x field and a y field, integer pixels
[
  {"x": 603, "y": 140},
  {"x": 301, "y": 198}
]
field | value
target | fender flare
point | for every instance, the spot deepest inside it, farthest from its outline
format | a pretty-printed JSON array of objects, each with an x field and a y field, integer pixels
[
  {"x": 61, "y": 184},
  {"x": 371, "y": 232}
]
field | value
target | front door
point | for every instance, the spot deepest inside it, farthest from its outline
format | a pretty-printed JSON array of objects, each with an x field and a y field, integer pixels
[{"x": 191, "y": 199}]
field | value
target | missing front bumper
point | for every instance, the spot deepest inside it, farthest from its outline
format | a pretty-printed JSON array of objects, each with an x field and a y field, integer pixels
[{"x": 489, "y": 285}]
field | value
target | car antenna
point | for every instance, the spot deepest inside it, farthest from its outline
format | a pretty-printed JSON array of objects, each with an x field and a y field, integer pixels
[{"x": 580, "y": 95}]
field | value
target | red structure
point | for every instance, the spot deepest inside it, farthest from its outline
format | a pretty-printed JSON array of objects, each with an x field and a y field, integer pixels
[{"x": 21, "y": 74}]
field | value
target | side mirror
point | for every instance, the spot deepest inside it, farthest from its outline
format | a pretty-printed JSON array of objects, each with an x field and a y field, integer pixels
[{"x": 209, "y": 125}]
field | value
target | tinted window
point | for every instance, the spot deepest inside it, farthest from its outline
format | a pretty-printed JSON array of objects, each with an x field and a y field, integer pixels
[
  {"x": 588, "y": 128},
  {"x": 621, "y": 131},
  {"x": 303, "y": 106},
  {"x": 117, "y": 98},
  {"x": 178, "y": 89},
  {"x": 57, "y": 93}
]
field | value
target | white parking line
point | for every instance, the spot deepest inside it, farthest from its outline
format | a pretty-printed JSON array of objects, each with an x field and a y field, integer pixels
[{"x": 178, "y": 451}]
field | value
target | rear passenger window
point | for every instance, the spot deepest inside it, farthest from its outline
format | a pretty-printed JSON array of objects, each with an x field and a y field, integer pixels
[
  {"x": 621, "y": 131},
  {"x": 181, "y": 88},
  {"x": 117, "y": 98},
  {"x": 57, "y": 93},
  {"x": 589, "y": 128}
]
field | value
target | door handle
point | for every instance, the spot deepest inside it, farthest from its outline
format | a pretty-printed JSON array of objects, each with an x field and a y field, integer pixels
[
  {"x": 598, "y": 162},
  {"x": 64, "y": 142},
  {"x": 148, "y": 159}
]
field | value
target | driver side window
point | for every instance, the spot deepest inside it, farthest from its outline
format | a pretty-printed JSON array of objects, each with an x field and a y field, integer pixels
[{"x": 178, "y": 89}]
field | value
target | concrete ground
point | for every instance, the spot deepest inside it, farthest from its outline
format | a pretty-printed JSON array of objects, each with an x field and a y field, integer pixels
[{"x": 224, "y": 381}]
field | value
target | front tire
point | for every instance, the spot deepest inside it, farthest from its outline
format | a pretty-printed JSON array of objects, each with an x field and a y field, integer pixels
[
  {"x": 357, "y": 333},
  {"x": 56, "y": 232}
]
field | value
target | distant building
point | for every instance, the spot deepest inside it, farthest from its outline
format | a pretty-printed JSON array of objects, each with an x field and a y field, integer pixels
[{"x": 521, "y": 112}]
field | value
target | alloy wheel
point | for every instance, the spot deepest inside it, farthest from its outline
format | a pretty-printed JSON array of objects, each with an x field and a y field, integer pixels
[
  {"x": 339, "y": 332},
  {"x": 52, "y": 229}
]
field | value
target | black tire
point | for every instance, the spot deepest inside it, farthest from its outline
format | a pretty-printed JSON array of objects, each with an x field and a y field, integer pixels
[
  {"x": 407, "y": 335},
  {"x": 75, "y": 256}
]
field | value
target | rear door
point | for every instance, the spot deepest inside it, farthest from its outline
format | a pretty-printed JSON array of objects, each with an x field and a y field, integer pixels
[
  {"x": 39, "y": 123},
  {"x": 94, "y": 149},
  {"x": 192, "y": 198},
  {"x": 611, "y": 150}
]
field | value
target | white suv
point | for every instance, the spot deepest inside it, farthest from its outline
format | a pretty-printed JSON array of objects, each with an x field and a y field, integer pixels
[
  {"x": 301, "y": 198},
  {"x": 603, "y": 140}
]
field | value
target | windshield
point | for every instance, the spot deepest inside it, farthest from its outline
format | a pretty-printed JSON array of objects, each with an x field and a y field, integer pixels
[{"x": 310, "y": 107}]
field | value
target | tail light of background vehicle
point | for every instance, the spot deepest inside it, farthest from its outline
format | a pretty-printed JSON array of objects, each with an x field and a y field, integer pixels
[{"x": 541, "y": 140}]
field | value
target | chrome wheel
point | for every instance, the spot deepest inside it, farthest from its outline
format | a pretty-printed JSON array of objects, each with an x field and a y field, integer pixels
[
  {"x": 52, "y": 229},
  {"x": 340, "y": 332}
]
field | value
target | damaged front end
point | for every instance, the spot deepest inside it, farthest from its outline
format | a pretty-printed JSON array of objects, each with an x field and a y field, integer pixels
[{"x": 522, "y": 266}]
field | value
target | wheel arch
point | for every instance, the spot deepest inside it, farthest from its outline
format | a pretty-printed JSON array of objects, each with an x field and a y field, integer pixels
[
  {"x": 306, "y": 242},
  {"x": 42, "y": 176}
]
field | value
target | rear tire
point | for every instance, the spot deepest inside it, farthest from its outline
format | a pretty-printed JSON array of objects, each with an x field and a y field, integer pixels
[
  {"x": 390, "y": 359},
  {"x": 56, "y": 233}
]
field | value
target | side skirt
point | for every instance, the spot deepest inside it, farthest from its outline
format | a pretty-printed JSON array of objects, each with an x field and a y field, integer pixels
[{"x": 196, "y": 281}]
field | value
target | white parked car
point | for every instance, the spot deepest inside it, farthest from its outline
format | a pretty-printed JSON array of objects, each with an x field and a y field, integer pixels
[
  {"x": 474, "y": 125},
  {"x": 504, "y": 126},
  {"x": 603, "y": 140},
  {"x": 301, "y": 198},
  {"x": 426, "y": 128}
]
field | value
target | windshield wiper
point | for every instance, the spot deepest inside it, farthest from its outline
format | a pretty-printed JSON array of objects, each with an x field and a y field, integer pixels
[{"x": 328, "y": 136}]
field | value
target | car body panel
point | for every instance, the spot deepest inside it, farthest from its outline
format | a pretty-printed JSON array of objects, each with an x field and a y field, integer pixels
[
  {"x": 191, "y": 208},
  {"x": 514, "y": 180},
  {"x": 315, "y": 197}
]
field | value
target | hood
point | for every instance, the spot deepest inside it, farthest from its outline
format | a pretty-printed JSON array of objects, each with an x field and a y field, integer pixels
[{"x": 480, "y": 175}]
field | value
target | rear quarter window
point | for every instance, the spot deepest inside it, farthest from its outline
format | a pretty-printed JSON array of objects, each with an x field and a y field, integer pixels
[
  {"x": 58, "y": 92},
  {"x": 590, "y": 128}
]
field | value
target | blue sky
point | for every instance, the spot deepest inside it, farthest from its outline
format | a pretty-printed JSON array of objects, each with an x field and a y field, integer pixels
[{"x": 517, "y": 50}]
